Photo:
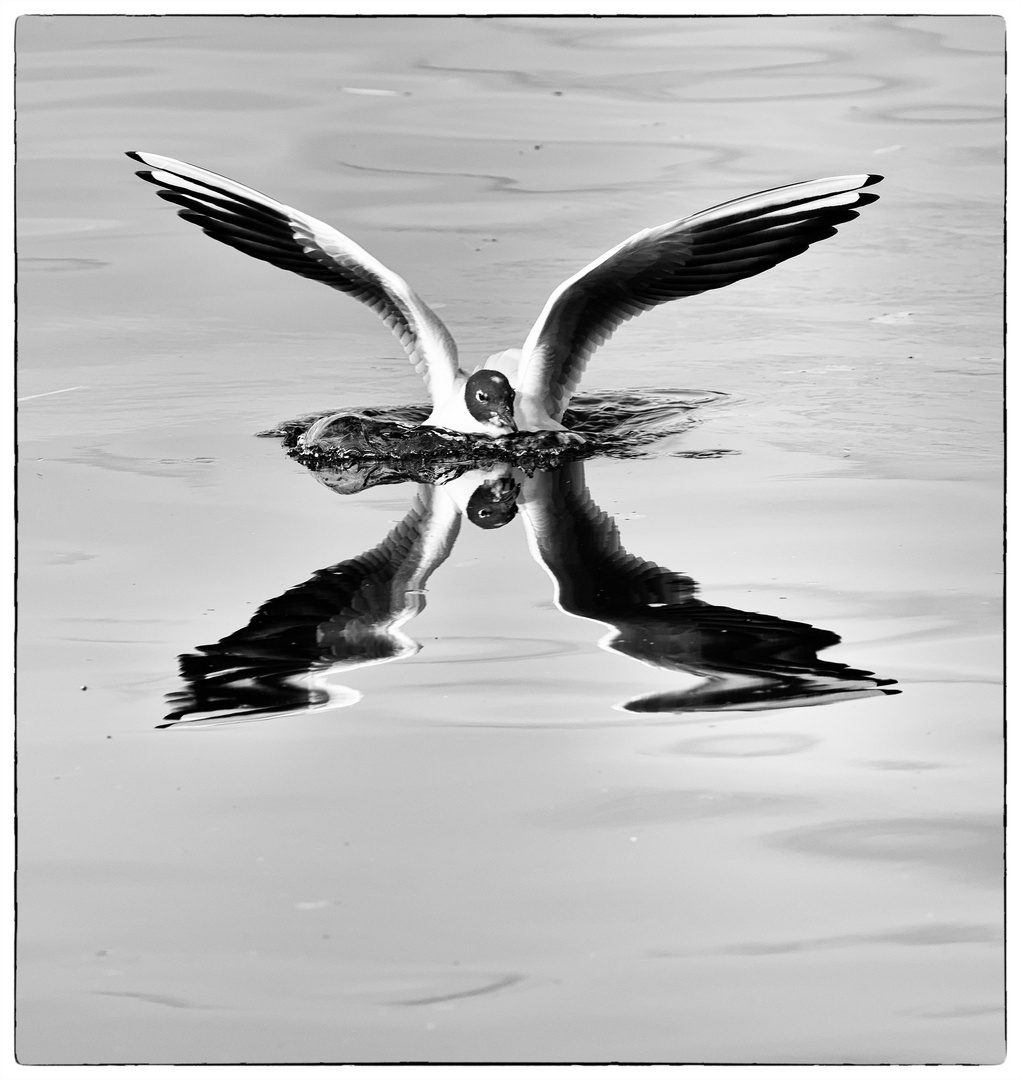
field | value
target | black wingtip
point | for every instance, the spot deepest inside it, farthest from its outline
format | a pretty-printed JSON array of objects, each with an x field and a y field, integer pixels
[
  {"x": 146, "y": 175},
  {"x": 874, "y": 178},
  {"x": 135, "y": 156}
]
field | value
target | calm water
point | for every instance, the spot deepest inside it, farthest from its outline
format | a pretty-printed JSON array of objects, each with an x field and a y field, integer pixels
[{"x": 500, "y": 841}]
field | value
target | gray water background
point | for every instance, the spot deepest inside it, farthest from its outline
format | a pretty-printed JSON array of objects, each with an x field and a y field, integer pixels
[{"x": 479, "y": 858}]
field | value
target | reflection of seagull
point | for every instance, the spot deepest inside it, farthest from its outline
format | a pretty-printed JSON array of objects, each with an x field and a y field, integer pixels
[
  {"x": 691, "y": 255},
  {"x": 345, "y": 616},
  {"x": 748, "y": 660},
  {"x": 354, "y": 613}
]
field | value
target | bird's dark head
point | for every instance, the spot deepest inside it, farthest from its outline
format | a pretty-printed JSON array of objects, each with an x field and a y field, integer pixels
[
  {"x": 489, "y": 397},
  {"x": 494, "y": 503}
]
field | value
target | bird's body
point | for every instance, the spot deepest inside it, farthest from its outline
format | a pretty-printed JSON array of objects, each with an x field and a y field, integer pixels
[{"x": 705, "y": 251}]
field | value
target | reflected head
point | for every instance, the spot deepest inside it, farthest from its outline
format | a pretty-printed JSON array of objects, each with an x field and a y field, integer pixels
[{"x": 493, "y": 504}]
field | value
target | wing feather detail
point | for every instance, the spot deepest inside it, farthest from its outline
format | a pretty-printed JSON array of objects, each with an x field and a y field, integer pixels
[
  {"x": 708, "y": 250},
  {"x": 249, "y": 221}
]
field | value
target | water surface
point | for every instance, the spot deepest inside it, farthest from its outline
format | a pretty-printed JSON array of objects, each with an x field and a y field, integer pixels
[{"x": 476, "y": 848}]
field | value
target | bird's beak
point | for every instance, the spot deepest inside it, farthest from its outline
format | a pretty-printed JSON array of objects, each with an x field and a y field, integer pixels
[{"x": 505, "y": 414}]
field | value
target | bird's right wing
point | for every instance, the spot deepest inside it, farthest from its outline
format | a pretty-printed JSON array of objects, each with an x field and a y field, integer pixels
[
  {"x": 266, "y": 229},
  {"x": 345, "y": 616}
]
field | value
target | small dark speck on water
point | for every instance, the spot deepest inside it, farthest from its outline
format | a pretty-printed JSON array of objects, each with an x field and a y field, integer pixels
[{"x": 83, "y": 687}]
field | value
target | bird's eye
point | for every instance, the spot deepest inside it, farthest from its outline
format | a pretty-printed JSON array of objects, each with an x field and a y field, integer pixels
[{"x": 481, "y": 395}]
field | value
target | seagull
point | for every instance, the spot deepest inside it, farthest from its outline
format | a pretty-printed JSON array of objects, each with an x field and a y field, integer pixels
[{"x": 694, "y": 254}]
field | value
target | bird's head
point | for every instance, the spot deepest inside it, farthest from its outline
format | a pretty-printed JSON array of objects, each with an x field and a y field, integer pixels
[
  {"x": 494, "y": 503},
  {"x": 489, "y": 397}
]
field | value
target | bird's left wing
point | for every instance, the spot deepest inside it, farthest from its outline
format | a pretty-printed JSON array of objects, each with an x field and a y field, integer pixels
[
  {"x": 748, "y": 660},
  {"x": 708, "y": 250},
  {"x": 266, "y": 229}
]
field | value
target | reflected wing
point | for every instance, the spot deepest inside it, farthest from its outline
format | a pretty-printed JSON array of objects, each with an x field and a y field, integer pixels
[
  {"x": 580, "y": 546},
  {"x": 266, "y": 229},
  {"x": 692, "y": 255},
  {"x": 346, "y": 615},
  {"x": 749, "y": 660}
]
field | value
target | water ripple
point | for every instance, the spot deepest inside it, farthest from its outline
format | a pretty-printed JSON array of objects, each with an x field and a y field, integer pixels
[
  {"x": 766, "y": 744},
  {"x": 941, "y": 113},
  {"x": 968, "y": 846}
]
